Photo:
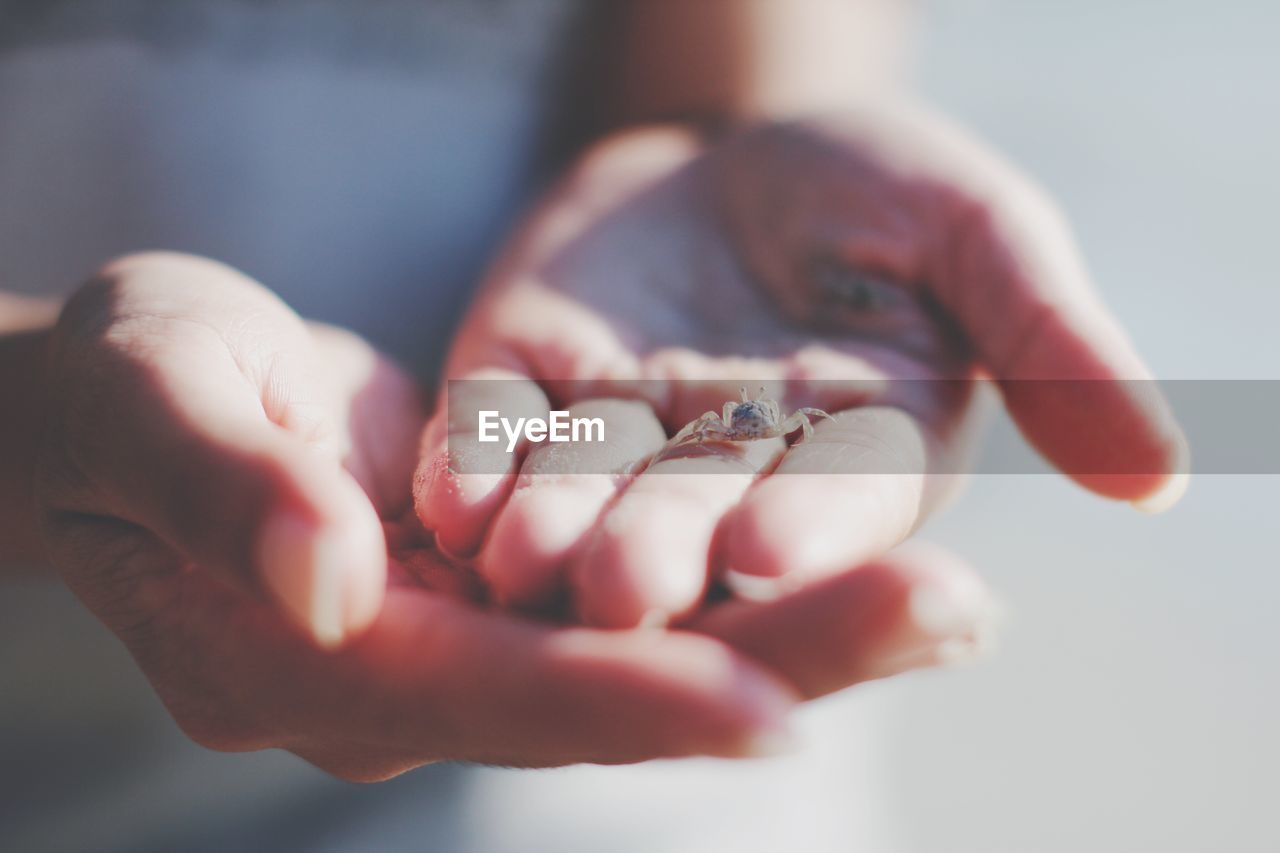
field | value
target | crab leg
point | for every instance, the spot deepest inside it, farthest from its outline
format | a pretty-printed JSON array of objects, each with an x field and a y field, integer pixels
[
  {"x": 814, "y": 413},
  {"x": 801, "y": 420},
  {"x": 696, "y": 427}
]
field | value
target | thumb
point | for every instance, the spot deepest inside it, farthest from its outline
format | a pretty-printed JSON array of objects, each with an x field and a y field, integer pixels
[{"x": 190, "y": 405}]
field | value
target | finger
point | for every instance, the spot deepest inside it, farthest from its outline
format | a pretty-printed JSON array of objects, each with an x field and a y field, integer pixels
[
  {"x": 902, "y": 195},
  {"x": 461, "y": 481},
  {"x": 187, "y": 408},
  {"x": 560, "y": 493},
  {"x": 1007, "y": 269},
  {"x": 916, "y": 607},
  {"x": 1069, "y": 375},
  {"x": 647, "y": 560},
  {"x": 437, "y": 679},
  {"x": 558, "y": 696},
  {"x": 854, "y": 490},
  {"x": 386, "y": 413}
]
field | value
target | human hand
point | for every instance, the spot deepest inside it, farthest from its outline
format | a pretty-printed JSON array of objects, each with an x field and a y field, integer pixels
[
  {"x": 883, "y": 251},
  {"x": 215, "y": 469}
]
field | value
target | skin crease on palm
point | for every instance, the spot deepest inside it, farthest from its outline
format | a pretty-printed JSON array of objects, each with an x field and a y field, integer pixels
[{"x": 655, "y": 259}]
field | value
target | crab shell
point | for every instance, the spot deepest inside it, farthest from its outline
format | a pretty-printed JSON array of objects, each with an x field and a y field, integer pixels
[{"x": 755, "y": 419}]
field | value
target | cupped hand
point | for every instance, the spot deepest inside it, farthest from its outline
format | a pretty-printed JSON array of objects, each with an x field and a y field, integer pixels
[
  {"x": 228, "y": 489},
  {"x": 873, "y": 266}
]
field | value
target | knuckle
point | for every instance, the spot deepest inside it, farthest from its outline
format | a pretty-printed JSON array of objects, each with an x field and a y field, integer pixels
[
  {"x": 221, "y": 733},
  {"x": 88, "y": 312},
  {"x": 141, "y": 279},
  {"x": 137, "y": 297},
  {"x": 360, "y": 766},
  {"x": 125, "y": 267},
  {"x": 214, "y": 724},
  {"x": 117, "y": 340},
  {"x": 1012, "y": 204},
  {"x": 122, "y": 282},
  {"x": 120, "y": 572},
  {"x": 344, "y": 341},
  {"x": 209, "y": 700},
  {"x": 367, "y": 774},
  {"x": 629, "y": 157},
  {"x": 102, "y": 314}
]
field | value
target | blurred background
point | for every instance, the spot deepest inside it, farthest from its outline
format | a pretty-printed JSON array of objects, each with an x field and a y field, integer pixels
[{"x": 1133, "y": 704}]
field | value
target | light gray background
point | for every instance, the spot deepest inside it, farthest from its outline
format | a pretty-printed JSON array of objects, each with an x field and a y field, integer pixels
[{"x": 1134, "y": 705}]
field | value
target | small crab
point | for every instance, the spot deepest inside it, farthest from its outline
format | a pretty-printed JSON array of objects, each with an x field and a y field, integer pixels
[{"x": 748, "y": 420}]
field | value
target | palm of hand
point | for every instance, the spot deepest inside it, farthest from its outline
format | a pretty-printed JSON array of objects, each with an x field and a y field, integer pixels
[{"x": 661, "y": 273}]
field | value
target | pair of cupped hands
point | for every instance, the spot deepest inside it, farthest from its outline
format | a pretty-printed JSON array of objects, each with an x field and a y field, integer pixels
[{"x": 301, "y": 551}]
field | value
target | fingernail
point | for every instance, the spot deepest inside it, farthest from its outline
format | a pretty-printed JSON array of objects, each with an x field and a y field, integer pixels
[
  {"x": 305, "y": 567},
  {"x": 952, "y": 623},
  {"x": 770, "y": 743},
  {"x": 944, "y": 610},
  {"x": 771, "y": 703},
  {"x": 1165, "y": 497},
  {"x": 364, "y": 592},
  {"x": 759, "y": 587},
  {"x": 947, "y": 654},
  {"x": 959, "y": 651},
  {"x": 654, "y": 619}
]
